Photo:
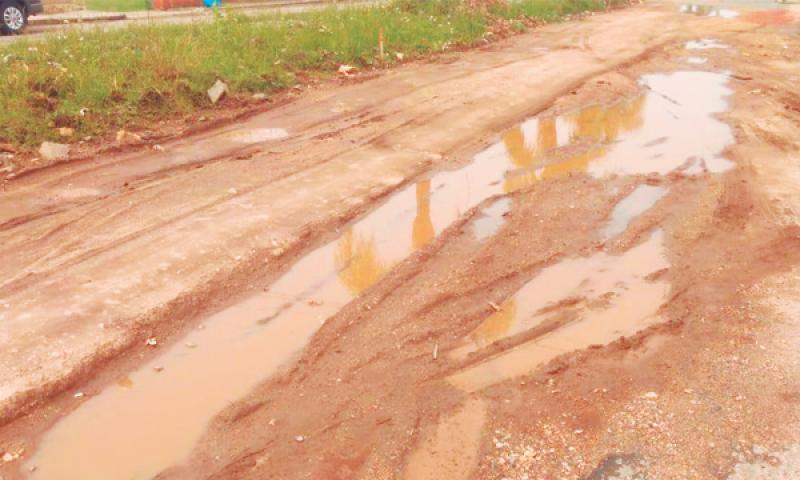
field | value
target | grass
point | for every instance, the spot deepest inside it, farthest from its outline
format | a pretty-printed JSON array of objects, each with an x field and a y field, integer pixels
[
  {"x": 97, "y": 82},
  {"x": 117, "y": 5}
]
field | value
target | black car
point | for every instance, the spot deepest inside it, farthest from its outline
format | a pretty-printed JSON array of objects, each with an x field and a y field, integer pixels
[{"x": 14, "y": 14}]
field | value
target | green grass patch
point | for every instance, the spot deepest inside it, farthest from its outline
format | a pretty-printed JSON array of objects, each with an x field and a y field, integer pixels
[
  {"x": 118, "y": 5},
  {"x": 96, "y": 82}
]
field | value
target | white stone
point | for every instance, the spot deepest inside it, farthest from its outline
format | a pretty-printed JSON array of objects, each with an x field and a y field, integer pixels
[
  {"x": 217, "y": 91},
  {"x": 54, "y": 151}
]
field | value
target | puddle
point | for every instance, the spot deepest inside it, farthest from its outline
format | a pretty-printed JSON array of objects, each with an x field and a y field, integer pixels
[
  {"x": 635, "y": 204},
  {"x": 697, "y": 60},
  {"x": 708, "y": 11},
  {"x": 704, "y": 44},
  {"x": 452, "y": 450},
  {"x": 679, "y": 129},
  {"x": 256, "y": 135},
  {"x": 670, "y": 127},
  {"x": 597, "y": 298},
  {"x": 490, "y": 219},
  {"x": 151, "y": 422}
]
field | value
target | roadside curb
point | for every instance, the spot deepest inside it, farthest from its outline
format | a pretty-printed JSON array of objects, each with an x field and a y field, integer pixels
[{"x": 33, "y": 21}]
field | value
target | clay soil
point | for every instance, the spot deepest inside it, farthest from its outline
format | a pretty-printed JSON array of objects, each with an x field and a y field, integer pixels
[{"x": 425, "y": 371}]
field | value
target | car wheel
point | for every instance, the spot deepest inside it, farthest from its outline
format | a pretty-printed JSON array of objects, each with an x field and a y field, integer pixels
[{"x": 12, "y": 17}]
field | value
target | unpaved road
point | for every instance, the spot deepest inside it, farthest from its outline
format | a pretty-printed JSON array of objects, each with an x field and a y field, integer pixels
[{"x": 570, "y": 254}]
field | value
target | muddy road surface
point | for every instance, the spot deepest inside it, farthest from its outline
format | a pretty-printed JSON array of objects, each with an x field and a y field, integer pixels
[{"x": 573, "y": 253}]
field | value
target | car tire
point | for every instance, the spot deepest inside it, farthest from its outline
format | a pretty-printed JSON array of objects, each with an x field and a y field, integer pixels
[{"x": 12, "y": 17}]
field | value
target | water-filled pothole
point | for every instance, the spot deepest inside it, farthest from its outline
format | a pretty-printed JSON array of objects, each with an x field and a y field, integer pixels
[
  {"x": 704, "y": 44},
  {"x": 709, "y": 11},
  {"x": 636, "y": 203},
  {"x": 577, "y": 302}
]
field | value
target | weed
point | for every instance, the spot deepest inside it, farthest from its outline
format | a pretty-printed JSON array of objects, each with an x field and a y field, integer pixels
[{"x": 95, "y": 82}]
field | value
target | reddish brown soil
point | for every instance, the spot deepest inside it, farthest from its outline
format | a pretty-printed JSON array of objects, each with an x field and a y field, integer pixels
[{"x": 689, "y": 397}]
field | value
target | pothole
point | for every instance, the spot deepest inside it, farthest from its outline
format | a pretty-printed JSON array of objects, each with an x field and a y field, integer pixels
[
  {"x": 576, "y": 303},
  {"x": 709, "y": 11},
  {"x": 636, "y": 203}
]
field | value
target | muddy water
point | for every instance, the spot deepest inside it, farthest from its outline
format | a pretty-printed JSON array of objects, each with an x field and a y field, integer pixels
[
  {"x": 597, "y": 298},
  {"x": 490, "y": 219},
  {"x": 696, "y": 60},
  {"x": 636, "y": 203},
  {"x": 704, "y": 44},
  {"x": 709, "y": 11},
  {"x": 152, "y": 419}
]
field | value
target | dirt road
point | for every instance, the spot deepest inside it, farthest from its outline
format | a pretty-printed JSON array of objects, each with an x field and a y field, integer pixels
[{"x": 569, "y": 254}]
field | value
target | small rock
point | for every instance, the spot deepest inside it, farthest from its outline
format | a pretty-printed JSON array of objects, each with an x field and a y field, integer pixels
[
  {"x": 650, "y": 395},
  {"x": 495, "y": 306},
  {"x": 191, "y": 345},
  {"x": 233, "y": 191},
  {"x": 151, "y": 342},
  {"x": 66, "y": 131},
  {"x": 124, "y": 136},
  {"x": 54, "y": 151},
  {"x": 435, "y": 351},
  {"x": 158, "y": 369},
  {"x": 217, "y": 91},
  {"x": 78, "y": 395},
  {"x": 399, "y": 55},
  {"x": 346, "y": 69},
  {"x": 299, "y": 439},
  {"x": 9, "y": 457},
  {"x": 259, "y": 96},
  {"x": 277, "y": 252},
  {"x": 272, "y": 422}
]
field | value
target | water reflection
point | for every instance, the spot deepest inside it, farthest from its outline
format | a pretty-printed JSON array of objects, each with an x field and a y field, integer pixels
[
  {"x": 589, "y": 131},
  {"x": 597, "y": 298},
  {"x": 708, "y": 11}
]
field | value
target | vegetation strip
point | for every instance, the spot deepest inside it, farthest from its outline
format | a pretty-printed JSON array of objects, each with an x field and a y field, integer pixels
[{"x": 80, "y": 83}]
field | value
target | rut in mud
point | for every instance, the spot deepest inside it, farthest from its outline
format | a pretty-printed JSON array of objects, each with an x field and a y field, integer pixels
[{"x": 426, "y": 338}]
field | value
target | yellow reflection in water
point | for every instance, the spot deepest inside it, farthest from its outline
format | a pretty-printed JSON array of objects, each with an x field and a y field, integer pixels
[
  {"x": 496, "y": 325},
  {"x": 598, "y": 124},
  {"x": 357, "y": 262},
  {"x": 422, "y": 232},
  {"x": 357, "y": 258},
  {"x": 523, "y": 155}
]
